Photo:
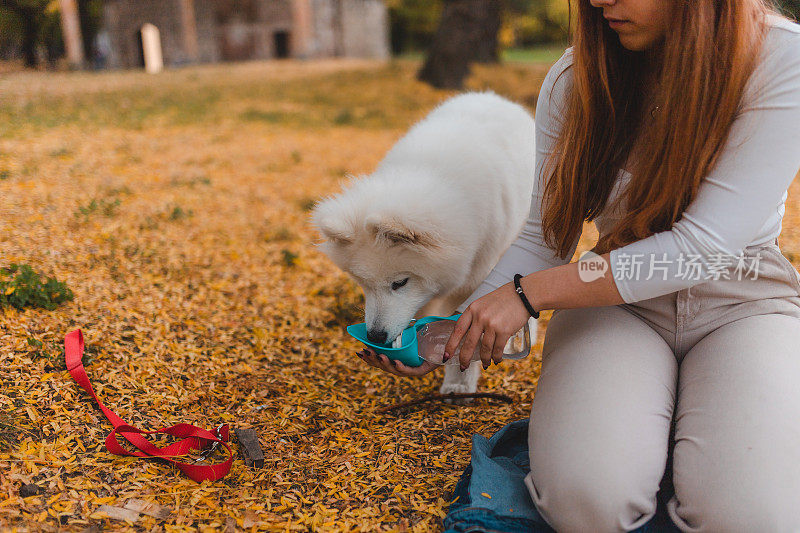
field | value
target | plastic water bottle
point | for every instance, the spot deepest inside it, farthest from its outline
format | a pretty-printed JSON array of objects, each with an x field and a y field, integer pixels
[{"x": 433, "y": 337}]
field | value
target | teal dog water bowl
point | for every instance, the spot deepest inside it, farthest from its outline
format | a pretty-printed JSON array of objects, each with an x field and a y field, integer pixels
[{"x": 407, "y": 353}]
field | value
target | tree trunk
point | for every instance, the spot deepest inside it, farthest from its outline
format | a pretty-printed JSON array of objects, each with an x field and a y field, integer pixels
[
  {"x": 486, "y": 50},
  {"x": 30, "y": 31},
  {"x": 467, "y": 32},
  {"x": 29, "y": 17}
]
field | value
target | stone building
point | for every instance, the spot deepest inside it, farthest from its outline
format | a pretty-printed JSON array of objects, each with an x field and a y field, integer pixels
[{"x": 205, "y": 31}]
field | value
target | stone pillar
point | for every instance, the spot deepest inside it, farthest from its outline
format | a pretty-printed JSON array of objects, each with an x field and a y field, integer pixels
[
  {"x": 151, "y": 48},
  {"x": 301, "y": 28},
  {"x": 71, "y": 29},
  {"x": 189, "y": 24}
]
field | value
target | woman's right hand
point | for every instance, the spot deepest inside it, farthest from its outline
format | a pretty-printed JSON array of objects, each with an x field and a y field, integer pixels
[{"x": 380, "y": 361}]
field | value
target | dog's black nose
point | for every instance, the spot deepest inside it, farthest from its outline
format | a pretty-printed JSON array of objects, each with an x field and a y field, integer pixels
[{"x": 378, "y": 337}]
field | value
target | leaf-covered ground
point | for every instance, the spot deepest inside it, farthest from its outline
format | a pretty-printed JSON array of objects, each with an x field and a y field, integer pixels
[{"x": 176, "y": 209}]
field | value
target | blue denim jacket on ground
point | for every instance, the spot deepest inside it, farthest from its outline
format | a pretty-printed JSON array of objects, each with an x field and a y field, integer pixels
[{"x": 492, "y": 496}]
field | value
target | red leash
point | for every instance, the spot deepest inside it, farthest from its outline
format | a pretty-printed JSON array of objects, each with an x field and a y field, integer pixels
[{"x": 193, "y": 437}]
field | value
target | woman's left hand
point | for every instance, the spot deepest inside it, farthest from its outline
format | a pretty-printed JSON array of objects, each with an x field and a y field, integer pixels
[
  {"x": 490, "y": 320},
  {"x": 380, "y": 361}
]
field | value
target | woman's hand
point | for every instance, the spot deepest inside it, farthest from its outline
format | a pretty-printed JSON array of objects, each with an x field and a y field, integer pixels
[
  {"x": 490, "y": 320},
  {"x": 369, "y": 356}
]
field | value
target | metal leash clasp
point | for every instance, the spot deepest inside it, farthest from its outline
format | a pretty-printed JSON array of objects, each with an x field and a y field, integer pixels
[{"x": 207, "y": 453}]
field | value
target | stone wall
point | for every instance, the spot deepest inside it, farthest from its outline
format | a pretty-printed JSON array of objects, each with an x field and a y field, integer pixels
[
  {"x": 365, "y": 26},
  {"x": 350, "y": 28},
  {"x": 324, "y": 36},
  {"x": 208, "y": 47},
  {"x": 247, "y": 29}
]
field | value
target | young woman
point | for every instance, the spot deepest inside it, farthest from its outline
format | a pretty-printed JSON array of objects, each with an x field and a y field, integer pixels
[{"x": 675, "y": 126}]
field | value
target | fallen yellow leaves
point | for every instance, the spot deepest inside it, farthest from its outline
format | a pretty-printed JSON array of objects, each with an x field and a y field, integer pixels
[{"x": 201, "y": 318}]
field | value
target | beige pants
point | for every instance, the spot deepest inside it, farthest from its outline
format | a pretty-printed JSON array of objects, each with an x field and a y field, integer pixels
[{"x": 720, "y": 361}]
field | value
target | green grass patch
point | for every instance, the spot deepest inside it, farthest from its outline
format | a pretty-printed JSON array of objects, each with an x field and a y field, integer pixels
[
  {"x": 272, "y": 117},
  {"x": 179, "y": 213},
  {"x": 539, "y": 54},
  {"x": 21, "y": 286},
  {"x": 107, "y": 207},
  {"x": 116, "y": 191},
  {"x": 545, "y": 53},
  {"x": 288, "y": 258},
  {"x": 177, "y": 181},
  {"x": 344, "y": 116},
  {"x": 281, "y": 233},
  {"x": 174, "y": 213},
  {"x": 61, "y": 152}
]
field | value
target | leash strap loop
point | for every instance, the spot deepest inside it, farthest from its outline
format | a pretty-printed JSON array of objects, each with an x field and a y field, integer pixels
[{"x": 192, "y": 437}]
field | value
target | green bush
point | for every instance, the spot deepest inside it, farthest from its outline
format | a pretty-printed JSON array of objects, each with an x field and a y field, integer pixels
[{"x": 21, "y": 286}]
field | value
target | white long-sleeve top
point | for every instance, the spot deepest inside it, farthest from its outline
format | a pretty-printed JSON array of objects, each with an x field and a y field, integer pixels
[{"x": 738, "y": 204}]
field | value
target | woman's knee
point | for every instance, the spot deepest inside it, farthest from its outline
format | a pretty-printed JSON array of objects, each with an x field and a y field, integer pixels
[
  {"x": 709, "y": 503},
  {"x": 600, "y": 421},
  {"x": 593, "y": 495}
]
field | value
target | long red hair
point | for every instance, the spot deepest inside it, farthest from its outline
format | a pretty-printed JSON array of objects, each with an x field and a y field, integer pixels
[{"x": 702, "y": 67}]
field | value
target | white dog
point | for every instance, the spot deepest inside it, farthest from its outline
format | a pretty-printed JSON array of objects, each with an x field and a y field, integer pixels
[{"x": 426, "y": 227}]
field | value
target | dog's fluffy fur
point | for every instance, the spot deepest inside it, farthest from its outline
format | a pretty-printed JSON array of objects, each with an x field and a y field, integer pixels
[{"x": 439, "y": 210}]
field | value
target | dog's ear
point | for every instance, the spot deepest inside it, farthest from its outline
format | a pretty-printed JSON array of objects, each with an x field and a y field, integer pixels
[
  {"x": 333, "y": 228},
  {"x": 395, "y": 232},
  {"x": 337, "y": 236}
]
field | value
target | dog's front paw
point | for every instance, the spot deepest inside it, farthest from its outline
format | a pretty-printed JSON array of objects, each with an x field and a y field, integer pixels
[
  {"x": 533, "y": 326},
  {"x": 458, "y": 382}
]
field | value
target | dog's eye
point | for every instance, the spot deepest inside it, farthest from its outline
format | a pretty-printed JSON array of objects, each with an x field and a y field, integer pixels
[{"x": 397, "y": 284}]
